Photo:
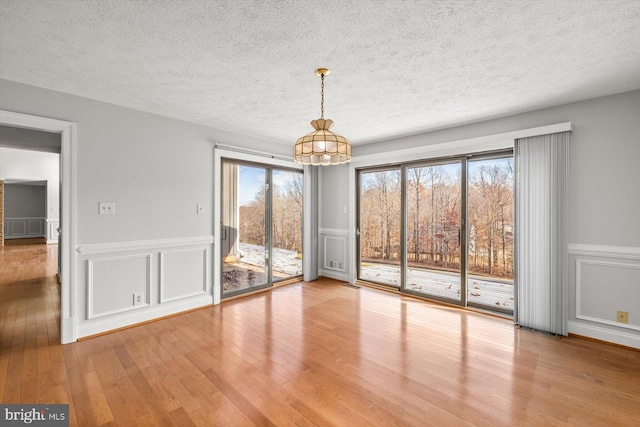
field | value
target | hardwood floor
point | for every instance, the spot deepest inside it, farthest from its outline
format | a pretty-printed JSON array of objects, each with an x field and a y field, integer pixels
[{"x": 305, "y": 354}]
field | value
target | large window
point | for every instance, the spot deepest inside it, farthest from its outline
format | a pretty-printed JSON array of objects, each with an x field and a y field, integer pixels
[
  {"x": 441, "y": 229},
  {"x": 261, "y": 226}
]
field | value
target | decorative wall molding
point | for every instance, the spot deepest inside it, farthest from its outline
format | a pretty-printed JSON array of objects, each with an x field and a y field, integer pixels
[
  {"x": 200, "y": 277},
  {"x": 335, "y": 231},
  {"x": 52, "y": 230},
  {"x": 142, "y": 245},
  {"x": 625, "y": 252},
  {"x": 330, "y": 256},
  {"x": 579, "y": 291},
  {"x": 17, "y": 228},
  {"x": 91, "y": 314}
]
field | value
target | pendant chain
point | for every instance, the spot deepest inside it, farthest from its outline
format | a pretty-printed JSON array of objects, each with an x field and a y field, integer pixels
[{"x": 322, "y": 97}]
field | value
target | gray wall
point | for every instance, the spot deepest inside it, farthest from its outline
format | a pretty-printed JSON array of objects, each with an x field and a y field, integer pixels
[
  {"x": 25, "y": 165},
  {"x": 28, "y": 139},
  {"x": 25, "y": 201},
  {"x": 604, "y": 169},
  {"x": 334, "y": 181},
  {"x": 154, "y": 168}
]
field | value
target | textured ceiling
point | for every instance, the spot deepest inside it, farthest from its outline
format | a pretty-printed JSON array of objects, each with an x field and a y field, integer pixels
[{"x": 398, "y": 67}]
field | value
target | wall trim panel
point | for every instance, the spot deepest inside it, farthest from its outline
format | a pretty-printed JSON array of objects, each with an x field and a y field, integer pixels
[
  {"x": 52, "y": 230},
  {"x": 337, "y": 262},
  {"x": 204, "y": 252},
  {"x": 27, "y": 227},
  {"x": 579, "y": 314},
  {"x": 91, "y": 314}
]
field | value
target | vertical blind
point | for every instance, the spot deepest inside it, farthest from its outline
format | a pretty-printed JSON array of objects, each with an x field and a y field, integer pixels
[{"x": 541, "y": 232}]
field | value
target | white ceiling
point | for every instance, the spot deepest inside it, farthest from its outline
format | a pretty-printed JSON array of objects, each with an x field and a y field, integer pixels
[{"x": 398, "y": 67}]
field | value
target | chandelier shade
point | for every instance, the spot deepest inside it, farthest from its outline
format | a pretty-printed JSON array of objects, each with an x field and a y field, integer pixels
[{"x": 322, "y": 147}]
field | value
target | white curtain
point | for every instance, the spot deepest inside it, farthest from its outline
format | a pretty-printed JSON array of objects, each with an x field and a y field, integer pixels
[
  {"x": 310, "y": 224},
  {"x": 541, "y": 164}
]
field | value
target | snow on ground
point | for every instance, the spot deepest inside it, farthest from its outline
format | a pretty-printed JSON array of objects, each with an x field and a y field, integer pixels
[
  {"x": 249, "y": 271},
  {"x": 493, "y": 293},
  {"x": 284, "y": 261}
]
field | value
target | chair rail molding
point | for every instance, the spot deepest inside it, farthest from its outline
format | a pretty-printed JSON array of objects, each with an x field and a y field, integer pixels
[
  {"x": 627, "y": 252},
  {"x": 138, "y": 245}
]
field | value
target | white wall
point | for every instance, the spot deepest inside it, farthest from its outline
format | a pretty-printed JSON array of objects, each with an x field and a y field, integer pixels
[
  {"x": 156, "y": 170},
  {"x": 604, "y": 201}
]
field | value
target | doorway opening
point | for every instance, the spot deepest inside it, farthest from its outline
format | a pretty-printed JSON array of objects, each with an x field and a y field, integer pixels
[{"x": 64, "y": 135}]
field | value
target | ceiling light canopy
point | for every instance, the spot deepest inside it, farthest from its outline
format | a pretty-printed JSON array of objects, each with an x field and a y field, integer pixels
[{"x": 322, "y": 147}]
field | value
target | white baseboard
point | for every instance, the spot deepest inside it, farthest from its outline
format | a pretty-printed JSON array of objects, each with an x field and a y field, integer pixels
[
  {"x": 333, "y": 274},
  {"x": 150, "y": 313},
  {"x": 617, "y": 337},
  {"x": 67, "y": 330}
]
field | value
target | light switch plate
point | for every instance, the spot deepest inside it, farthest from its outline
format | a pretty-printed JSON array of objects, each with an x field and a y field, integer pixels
[
  {"x": 107, "y": 208},
  {"x": 200, "y": 209}
]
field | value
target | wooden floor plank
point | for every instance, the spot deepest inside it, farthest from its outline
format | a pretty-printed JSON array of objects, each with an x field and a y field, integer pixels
[{"x": 305, "y": 354}]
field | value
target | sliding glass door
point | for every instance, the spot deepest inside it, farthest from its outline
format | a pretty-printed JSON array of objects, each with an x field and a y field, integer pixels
[
  {"x": 490, "y": 248},
  {"x": 261, "y": 226},
  {"x": 441, "y": 229},
  {"x": 379, "y": 229},
  {"x": 286, "y": 224},
  {"x": 434, "y": 205}
]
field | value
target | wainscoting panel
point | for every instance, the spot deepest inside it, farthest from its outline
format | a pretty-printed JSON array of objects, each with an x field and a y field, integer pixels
[
  {"x": 171, "y": 275},
  {"x": 52, "y": 230},
  {"x": 23, "y": 228},
  {"x": 335, "y": 248},
  {"x": 114, "y": 282},
  {"x": 334, "y": 263},
  {"x": 17, "y": 228},
  {"x": 183, "y": 273},
  {"x": 604, "y": 280},
  {"x": 603, "y": 288}
]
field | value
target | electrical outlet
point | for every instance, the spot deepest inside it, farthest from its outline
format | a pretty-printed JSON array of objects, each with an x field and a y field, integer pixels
[
  {"x": 623, "y": 316},
  {"x": 331, "y": 264},
  {"x": 107, "y": 208},
  {"x": 138, "y": 299}
]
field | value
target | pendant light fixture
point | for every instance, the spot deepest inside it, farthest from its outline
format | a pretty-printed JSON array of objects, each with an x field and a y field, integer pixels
[{"x": 322, "y": 147}]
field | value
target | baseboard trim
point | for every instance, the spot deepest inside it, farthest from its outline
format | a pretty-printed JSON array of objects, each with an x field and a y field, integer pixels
[
  {"x": 582, "y": 337},
  {"x": 146, "y": 322},
  {"x": 147, "y": 314},
  {"x": 611, "y": 336},
  {"x": 333, "y": 274}
]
